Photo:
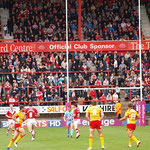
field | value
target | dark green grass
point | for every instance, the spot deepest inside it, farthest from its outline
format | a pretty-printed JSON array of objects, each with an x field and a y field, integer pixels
[{"x": 56, "y": 139}]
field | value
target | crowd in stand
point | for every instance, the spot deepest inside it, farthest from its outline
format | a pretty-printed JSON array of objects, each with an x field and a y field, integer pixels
[
  {"x": 123, "y": 67},
  {"x": 34, "y": 21},
  {"x": 147, "y": 5},
  {"x": 42, "y": 76},
  {"x": 110, "y": 19},
  {"x": 38, "y": 21},
  {"x": 27, "y": 80},
  {"x": 1, "y": 34}
]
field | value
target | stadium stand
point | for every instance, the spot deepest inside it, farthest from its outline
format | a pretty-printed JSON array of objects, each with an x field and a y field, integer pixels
[
  {"x": 148, "y": 9},
  {"x": 110, "y": 20},
  {"x": 101, "y": 20},
  {"x": 1, "y": 29},
  {"x": 42, "y": 76},
  {"x": 43, "y": 22}
]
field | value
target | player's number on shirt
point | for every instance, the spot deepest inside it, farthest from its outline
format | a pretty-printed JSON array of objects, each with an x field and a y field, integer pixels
[
  {"x": 30, "y": 115},
  {"x": 94, "y": 112},
  {"x": 133, "y": 116}
]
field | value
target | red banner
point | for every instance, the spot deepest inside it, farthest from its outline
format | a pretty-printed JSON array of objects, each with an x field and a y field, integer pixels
[{"x": 78, "y": 46}]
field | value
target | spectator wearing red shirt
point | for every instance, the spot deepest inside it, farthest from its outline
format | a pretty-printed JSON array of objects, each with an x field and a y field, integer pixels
[
  {"x": 92, "y": 93},
  {"x": 39, "y": 95},
  {"x": 7, "y": 87},
  {"x": 84, "y": 67},
  {"x": 102, "y": 99}
]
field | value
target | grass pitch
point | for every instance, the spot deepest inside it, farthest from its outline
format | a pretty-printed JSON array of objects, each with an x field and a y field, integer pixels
[{"x": 56, "y": 139}]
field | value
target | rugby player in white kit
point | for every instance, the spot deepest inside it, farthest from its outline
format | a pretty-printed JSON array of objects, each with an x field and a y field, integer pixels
[
  {"x": 76, "y": 115},
  {"x": 31, "y": 122},
  {"x": 11, "y": 122}
]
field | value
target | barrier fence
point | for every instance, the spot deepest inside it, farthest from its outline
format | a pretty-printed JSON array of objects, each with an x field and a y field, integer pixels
[
  {"x": 84, "y": 88},
  {"x": 82, "y": 102},
  {"x": 61, "y": 102},
  {"x": 8, "y": 40}
]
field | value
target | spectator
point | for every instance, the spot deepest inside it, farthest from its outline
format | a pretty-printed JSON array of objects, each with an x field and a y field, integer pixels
[
  {"x": 5, "y": 29},
  {"x": 102, "y": 99},
  {"x": 105, "y": 83},
  {"x": 118, "y": 109},
  {"x": 11, "y": 99},
  {"x": 116, "y": 67},
  {"x": 1, "y": 90},
  {"x": 29, "y": 74},
  {"x": 109, "y": 98},
  {"x": 115, "y": 97}
]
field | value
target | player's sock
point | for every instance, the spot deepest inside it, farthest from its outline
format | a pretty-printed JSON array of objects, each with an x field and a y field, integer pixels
[
  {"x": 19, "y": 138},
  {"x": 134, "y": 138},
  {"x": 68, "y": 132},
  {"x": 11, "y": 142},
  {"x": 77, "y": 130},
  {"x": 71, "y": 132},
  {"x": 32, "y": 132},
  {"x": 90, "y": 142},
  {"x": 7, "y": 131},
  {"x": 130, "y": 141},
  {"x": 102, "y": 141},
  {"x": 13, "y": 131}
]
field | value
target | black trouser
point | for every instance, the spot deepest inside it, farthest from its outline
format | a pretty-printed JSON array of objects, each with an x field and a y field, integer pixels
[
  {"x": 116, "y": 71},
  {"x": 119, "y": 116}
]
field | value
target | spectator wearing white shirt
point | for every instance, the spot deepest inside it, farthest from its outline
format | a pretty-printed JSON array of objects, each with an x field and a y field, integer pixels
[
  {"x": 89, "y": 62},
  {"x": 118, "y": 91},
  {"x": 116, "y": 67},
  {"x": 64, "y": 64},
  {"x": 123, "y": 24},
  {"x": 51, "y": 78},
  {"x": 11, "y": 99},
  {"x": 115, "y": 97},
  {"x": 106, "y": 82}
]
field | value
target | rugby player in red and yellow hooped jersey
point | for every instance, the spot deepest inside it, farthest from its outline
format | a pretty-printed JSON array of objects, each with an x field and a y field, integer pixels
[
  {"x": 19, "y": 118},
  {"x": 95, "y": 115},
  {"x": 131, "y": 115}
]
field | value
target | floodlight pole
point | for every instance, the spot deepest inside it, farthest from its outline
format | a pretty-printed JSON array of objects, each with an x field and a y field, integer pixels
[
  {"x": 67, "y": 51},
  {"x": 140, "y": 51}
]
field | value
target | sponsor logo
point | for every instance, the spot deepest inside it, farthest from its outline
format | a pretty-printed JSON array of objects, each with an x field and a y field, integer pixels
[
  {"x": 39, "y": 123},
  {"x": 59, "y": 109},
  {"x": 4, "y": 124},
  {"x": 142, "y": 110},
  {"x": 84, "y": 123},
  {"x": 102, "y": 46},
  {"x": 54, "y": 123},
  {"x": 43, "y": 109},
  {"x": 105, "y": 108},
  {"x": 56, "y": 109},
  {"x": 3, "y": 110},
  {"x": 105, "y": 122},
  {"x": 41, "y": 47},
  {"x": 108, "y": 122},
  {"x": 122, "y": 45},
  {"x": 59, "y": 46},
  {"x": 87, "y": 46}
]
